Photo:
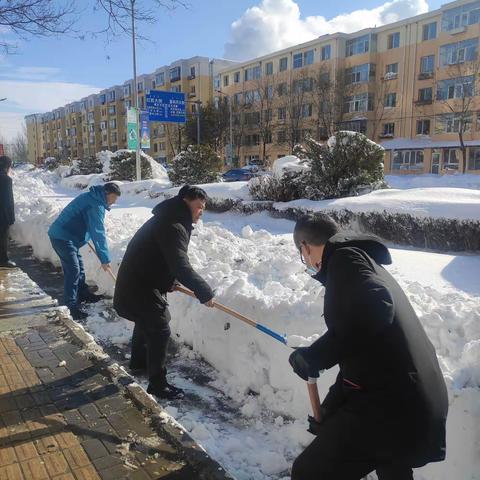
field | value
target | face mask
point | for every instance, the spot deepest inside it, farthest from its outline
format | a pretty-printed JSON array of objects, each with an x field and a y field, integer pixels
[{"x": 310, "y": 270}]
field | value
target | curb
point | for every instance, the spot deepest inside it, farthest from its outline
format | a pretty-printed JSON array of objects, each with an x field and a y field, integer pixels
[{"x": 161, "y": 422}]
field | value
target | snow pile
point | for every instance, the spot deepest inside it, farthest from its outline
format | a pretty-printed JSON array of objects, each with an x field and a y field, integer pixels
[
  {"x": 259, "y": 274},
  {"x": 217, "y": 191},
  {"x": 289, "y": 163},
  {"x": 434, "y": 181},
  {"x": 348, "y": 136}
]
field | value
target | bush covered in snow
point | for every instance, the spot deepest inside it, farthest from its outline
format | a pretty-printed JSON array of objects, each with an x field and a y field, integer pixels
[
  {"x": 196, "y": 165},
  {"x": 51, "y": 163},
  {"x": 349, "y": 164},
  {"x": 123, "y": 166},
  {"x": 88, "y": 165}
]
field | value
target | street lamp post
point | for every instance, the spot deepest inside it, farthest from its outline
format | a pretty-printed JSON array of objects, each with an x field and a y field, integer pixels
[
  {"x": 138, "y": 164},
  {"x": 230, "y": 113}
]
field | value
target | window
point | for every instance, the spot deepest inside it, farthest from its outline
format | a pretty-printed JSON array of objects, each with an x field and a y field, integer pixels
[
  {"x": 282, "y": 136},
  {"x": 390, "y": 100},
  {"x": 460, "y": 87},
  {"x": 360, "y": 73},
  {"x": 303, "y": 85},
  {"x": 358, "y": 103},
  {"x": 252, "y": 118},
  {"x": 425, "y": 94},
  {"x": 408, "y": 160},
  {"x": 103, "y": 125},
  {"x": 423, "y": 127},
  {"x": 451, "y": 157},
  {"x": 161, "y": 130},
  {"x": 111, "y": 109},
  {"x": 192, "y": 72},
  {"x": 127, "y": 103},
  {"x": 155, "y": 147},
  {"x": 269, "y": 68},
  {"x": 140, "y": 87},
  {"x": 460, "y": 52},
  {"x": 283, "y": 65},
  {"x": 252, "y": 73},
  {"x": 160, "y": 79},
  {"x": 267, "y": 115},
  {"x": 462, "y": 16},
  {"x": 251, "y": 140},
  {"x": 237, "y": 99},
  {"x": 162, "y": 146},
  {"x": 113, "y": 124},
  {"x": 113, "y": 137},
  {"x": 236, "y": 77},
  {"x": 269, "y": 91},
  {"x": 193, "y": 90},
  {"x": 103, "y": 99},
  {"x": 176, "y": 88},
  {"x": 298, "y": 60},
  {"x": 175, "y": 74},
  {"x": 474, "y": 158},
  {"x": 282, "y": 89},
  {"x": 427, "y": 64},
  {"x": 429, "y": 31},
  {"x": 326, "y": 52},
  {"x": 393, "y": 40},
  {"x": 111, "y": 96},
  {"x": 225, "y": 80},
  {"x": 90, "y": 116},
  {"x": 306, "y": 110},
  {"x": 453, "y": 123},
  {"x": 127, "y": 90},
  {"x": 357, "y": 46},
  {"x": 282, "y": 113},
  {"x": 308, "y": 57},
  {"x": 388, "y": 129},
  {"x": 392, "y": 69}
]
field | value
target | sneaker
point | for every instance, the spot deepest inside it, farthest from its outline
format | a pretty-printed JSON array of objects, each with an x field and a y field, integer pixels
[
  {"x": 90, "y": 297},
  {"x": 168, "y": 392},
  {"x": 78, "y": 313},
  {"x": 8, "y": 264}
]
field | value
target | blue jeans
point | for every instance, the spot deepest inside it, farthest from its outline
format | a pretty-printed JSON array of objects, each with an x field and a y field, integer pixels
[{"x": 73, "y": 272}]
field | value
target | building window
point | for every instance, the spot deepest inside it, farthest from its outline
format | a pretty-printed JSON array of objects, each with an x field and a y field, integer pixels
[
  {"x": 360, "y": 73},
  {"x": 407, "y": 160},
  {"x": 127, "y": 90},
  {"x": 225, "y": 80},
  {"x": 425, "y": 94},
  {"x": 390, "y": 100},
  {"x": 393, "y": 40},
  {"x": 460, "y": 87},
  {"x": 236, "y": 77},
  {"x": 460, "y": 52},
  {"x": 175, "y": 74},
  {"x": 427, "y": 64},
  {"x": 113, "y": 124},
  {"x": 237, "y": 99},
  {"x": 357, "y": 46},
  {"x": 252, "y": 73},
  {"x": 155, "y": 147},
  {"x": 103, "y": 125},
  {"x": 429, "y": 31},
  {"x": 192, "y": 73},
  {"x": 176, "y": 88},
  {"x": 282, "y": 113},
  {"x": 162, "y": 146},
  {"x": 308, "y": 57},
  {"x": 462, "y": 16},
  {"x": 111, "y": 109},
  {"x": 113, "y": 137},
  {"x": 451, "y": 158},
  {"x": 474, "y": 158},
  {"x": 392, "y": 69},
  {"x": 358, "y": 103},
  {"x": 388, "y": 129},
  {"x": 453, "y": 123},
  {"x": 307, "y": 110},
  {"x": 282, "y": 136},
  {"x": 269, "y": 68},
  {"x": 298, "y": 60},
  {"x": 90, "y": 116},
  {"x": 282, "y": 89},
  {"x": 140, "y": 87},
  {"x": 103, "y": 99},
  {"x": 326, "y": 52},
  {"x": 303, "y": 85},
  {"x": 111, "y": 96},
  {"x": 423, "y": 127},
  {"x": 283, "y": 64},
  {"x": 160, "y": 79}
]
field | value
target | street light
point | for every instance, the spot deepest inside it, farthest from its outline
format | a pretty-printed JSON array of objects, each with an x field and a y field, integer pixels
[
  {"x": 2, "y": 99},
  {"x": 229, "y": 99},
  {"x": 138, "y": 164}
]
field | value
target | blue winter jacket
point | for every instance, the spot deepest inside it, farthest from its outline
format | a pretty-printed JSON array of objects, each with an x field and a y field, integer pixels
[{"x": 83, "y": 219}]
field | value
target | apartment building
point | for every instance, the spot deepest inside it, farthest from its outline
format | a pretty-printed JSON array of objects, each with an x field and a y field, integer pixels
[
  {"x": 99, "y": 122},
  {"x": 411, "y": 86}
]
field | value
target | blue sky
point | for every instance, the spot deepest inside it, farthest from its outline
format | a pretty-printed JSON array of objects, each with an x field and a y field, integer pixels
[{"x": 48, "y": 72}]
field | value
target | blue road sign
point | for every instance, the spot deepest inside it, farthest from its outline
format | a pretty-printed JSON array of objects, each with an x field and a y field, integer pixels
[{"x": 166, "y": 107}]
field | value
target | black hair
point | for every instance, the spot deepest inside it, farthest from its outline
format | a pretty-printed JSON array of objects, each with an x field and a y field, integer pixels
[
  {"x": 5, "y": 163},
  {"x": 314, "y": 229},
  {"x": 111, "y": 187},
  {"x": 190, "y": 192}
]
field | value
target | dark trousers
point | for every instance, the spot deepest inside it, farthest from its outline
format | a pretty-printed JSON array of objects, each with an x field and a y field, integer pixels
[
  {"x": 4, "y": 243},
  {"x": 74, "y": 285},
  {"x": 349, "y": 447},
  {"x": 149, "y": 343}
]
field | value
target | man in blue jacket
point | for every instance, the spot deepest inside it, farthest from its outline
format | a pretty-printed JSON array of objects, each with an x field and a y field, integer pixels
[{"x": 81, "y": 220}]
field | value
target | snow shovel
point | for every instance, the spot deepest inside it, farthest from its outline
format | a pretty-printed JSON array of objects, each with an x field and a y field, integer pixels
[
  {"x": 312, "y": 381},
  {"x": 114, "y": 278}
]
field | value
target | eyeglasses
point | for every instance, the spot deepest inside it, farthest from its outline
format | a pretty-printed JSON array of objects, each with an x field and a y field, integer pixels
[{"x": 301, "y": 254}]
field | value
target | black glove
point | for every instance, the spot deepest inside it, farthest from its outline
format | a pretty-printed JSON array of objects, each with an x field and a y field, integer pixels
[
  {"x": 299, "y": 362},
  {"x": 314, "y": 427}
]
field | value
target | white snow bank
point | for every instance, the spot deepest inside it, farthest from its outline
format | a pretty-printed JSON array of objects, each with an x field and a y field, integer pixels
[
  {"x": 259, "y": 274},
  {"x": 219, "y": 191},
  {"x": 289, "y": 163},
  {"x": 455, "y": 203}
]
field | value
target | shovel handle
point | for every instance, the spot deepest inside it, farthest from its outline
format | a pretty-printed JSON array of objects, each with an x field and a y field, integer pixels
[
  {"x": 314, "y": 398},
  {"x": 114, "y": 277}
]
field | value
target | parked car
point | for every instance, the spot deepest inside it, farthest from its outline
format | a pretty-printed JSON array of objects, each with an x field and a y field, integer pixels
[{"x": 238, "y": 175}]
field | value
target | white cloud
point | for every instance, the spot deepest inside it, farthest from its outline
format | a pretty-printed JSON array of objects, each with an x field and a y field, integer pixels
[
  {"x": 31, "y": 73},
  {"x": 276, "y": 24},
  {"x": 25, "y": 97}
]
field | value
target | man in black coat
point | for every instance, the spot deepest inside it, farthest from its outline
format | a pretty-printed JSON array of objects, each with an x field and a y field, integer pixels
[
  {"x": 388, "y": 408},
  {"x": 157, "y": 258},
  {"x": 7, "y": 211}
]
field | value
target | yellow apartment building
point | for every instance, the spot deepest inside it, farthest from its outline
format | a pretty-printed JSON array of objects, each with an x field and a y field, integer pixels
[
  {"x": 411, "y": 86},
  {"x": 34, "y": 138}
]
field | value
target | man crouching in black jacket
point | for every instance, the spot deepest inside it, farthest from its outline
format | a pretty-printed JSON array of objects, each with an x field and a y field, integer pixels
[
  {"x": 156, "y": 258},
  {"x": 388, "y": 407}
]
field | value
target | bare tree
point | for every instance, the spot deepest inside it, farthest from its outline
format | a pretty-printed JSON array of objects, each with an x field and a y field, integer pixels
[
  {"x": 457, "y": 96},
  {"x": 19, "y": 147},
  {"x": 37, "y": 18},
  {"x": 239, "y": 127}
]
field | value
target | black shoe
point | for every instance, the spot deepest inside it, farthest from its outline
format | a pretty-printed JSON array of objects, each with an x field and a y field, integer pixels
[
  {"x": 167, "y": 391},
  {"x": 8, "y": 264},
  {"x": 90, "y": 297},
  {"x": 78, "y": 313}
]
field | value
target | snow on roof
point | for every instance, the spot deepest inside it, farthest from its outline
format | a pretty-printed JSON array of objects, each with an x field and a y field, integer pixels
[{"x": 424, "y": 142}]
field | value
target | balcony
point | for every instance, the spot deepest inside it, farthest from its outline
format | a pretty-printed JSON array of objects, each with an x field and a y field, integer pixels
[
  {"x": 423, "y": 102},
  {"x": 425, "y": 75}
]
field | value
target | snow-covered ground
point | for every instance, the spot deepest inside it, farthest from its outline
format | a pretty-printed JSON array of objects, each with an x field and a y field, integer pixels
[{"x": 255, "y": 269}]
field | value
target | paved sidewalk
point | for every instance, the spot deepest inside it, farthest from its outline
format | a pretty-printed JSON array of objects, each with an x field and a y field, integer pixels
[{"x": 63, "y": 416}]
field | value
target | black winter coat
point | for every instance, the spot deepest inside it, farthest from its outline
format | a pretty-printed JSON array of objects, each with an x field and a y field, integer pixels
[
  {"x": 388, "y": 367},
  {"x": 7, "y": 211},
  {"x": 156, "y": 257}
]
